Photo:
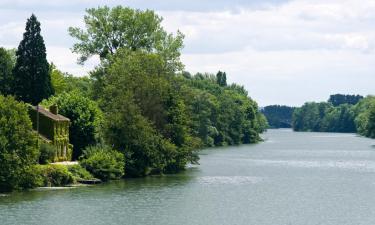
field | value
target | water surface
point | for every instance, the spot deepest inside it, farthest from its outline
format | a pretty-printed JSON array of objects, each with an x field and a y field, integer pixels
[{"x": 291, "y": 178}]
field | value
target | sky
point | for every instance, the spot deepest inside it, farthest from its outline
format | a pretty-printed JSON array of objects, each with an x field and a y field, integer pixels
[{"x": 283, "y": 52}]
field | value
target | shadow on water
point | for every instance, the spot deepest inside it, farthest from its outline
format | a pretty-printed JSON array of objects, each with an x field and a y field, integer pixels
[
  {"x": 128, "y": 185},
  {"x": 22, "y": 196}
]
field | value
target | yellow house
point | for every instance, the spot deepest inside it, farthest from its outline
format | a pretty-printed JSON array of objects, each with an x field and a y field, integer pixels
[{"x": 53, "y": 128}]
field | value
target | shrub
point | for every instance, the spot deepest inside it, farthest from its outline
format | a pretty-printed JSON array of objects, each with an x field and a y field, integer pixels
[
  {"x": 32, "y": 177},
  {"x": 47, "y": 153},
  {"x": 55, "y": 175},
  {"x": 18, "y": 149},
  {"x": 103, "y": 162},
  {"x": 80, "y": 173}
]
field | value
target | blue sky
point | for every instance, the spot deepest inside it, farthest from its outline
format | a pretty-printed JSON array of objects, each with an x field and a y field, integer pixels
[{"x": 283, "y": 52}]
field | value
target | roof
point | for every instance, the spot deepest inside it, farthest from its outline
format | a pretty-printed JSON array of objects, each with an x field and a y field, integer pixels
[{"x": 56, "y": 117}]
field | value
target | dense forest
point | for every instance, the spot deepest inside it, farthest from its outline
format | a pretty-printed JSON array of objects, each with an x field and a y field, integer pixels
[
  {"x": 137, "y": 113},
  {"x": 342, "y": 113},
  {"x": 278, "y": 116}
]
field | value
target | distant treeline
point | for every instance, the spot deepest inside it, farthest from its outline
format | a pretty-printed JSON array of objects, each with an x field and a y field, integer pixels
[
  {"x": 341, "y": 113},
  {"x": 278, "y": 116}
]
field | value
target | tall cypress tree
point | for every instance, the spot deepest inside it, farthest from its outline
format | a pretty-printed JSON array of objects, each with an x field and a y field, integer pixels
[{"x": 32, "y": 80}]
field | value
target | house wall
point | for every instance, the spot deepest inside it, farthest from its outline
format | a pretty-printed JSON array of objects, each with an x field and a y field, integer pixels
[
  {"x": 61, "y": 141},
  {"x": 56, "y": 131}
]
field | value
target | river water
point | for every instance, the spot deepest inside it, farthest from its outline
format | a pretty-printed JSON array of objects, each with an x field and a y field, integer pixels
[{"x": 290, "y": 179}]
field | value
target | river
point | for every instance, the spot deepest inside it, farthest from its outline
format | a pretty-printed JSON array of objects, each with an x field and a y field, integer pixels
[{"x": 289, "y": 179}]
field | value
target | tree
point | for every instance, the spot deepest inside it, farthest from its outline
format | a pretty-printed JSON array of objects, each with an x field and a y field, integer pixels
[
  {"x": 221, "y": 115},
  {"x": 339, "y": 119},
  {"x": 65, "y": 82},
  {"x": 278, "y": 116},
  {"x": 6, "y": 76},
  {"x": 365, "y": 119},
  {"x": 58, "y": 80},
  {"x": 131, "y": 133},
  {"x": 109, "y": 29},
  {"x": 221, "y": 78},
  {"x": 371, "y": 122},
  {"x": 339, "y": 99},
  {"x": 202, "y": 106},
  {"x": 82, "y": 85},
  {"x": 85, "y": 117},
  {"x": 18, "y": 146},
  {"x": 325, "y": 117},
  {"x": 148, "y": 118},
  {"x": 32, "y": 81},
  {"x": 309, "y": 117}
]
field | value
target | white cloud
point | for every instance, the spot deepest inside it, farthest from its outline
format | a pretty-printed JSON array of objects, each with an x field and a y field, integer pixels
[
  {"x": 291, "y": 77},
  {"x": 65, "y": 60},
  {"x": 302, "y": 50}
]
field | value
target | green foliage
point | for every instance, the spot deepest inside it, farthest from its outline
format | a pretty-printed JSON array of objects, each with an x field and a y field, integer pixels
[
  {"x": 55, "y": 175},
  {"x": 221, "y": 78},
  {"x": 148, "y": 117},
  {"x": 6, "y": 76},
  {"x": 221, "y": 115},
  {"x": 371, "y": 123},
  {"x": 109, "y": 29},
  {"x": 339, "y": 119},
  {"x": 278, "y": 116},
  {"x": 260, "y": 123},
  {"x": 345, "y": 117},
  {"x": 32, "y": 81},
  {"x": 103, "y": 162},
  {"x": 85, "y": 117},
  {"x": 13, "y": 56},
  {"x": 309, "y": 117},
  {"x": 80, "y": 173},
  {"x": 47, "y": 153},
  {"x": 32, "y": 177},
  {"x": 79, "y": 84},
  {"x": 202, "y": 106},
  {"x": 339, "y": 99},
  {"x": 64, "y": 82},
  {"x": 58, "y": 79},
  {"x": 18, "y": 147},
  {"x": 365, "y": 121}
]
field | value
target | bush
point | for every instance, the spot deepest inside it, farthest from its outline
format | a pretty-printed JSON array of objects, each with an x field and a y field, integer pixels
[
  {"x": 103, "y": 162},
  {"x": 55, "y": 175},
  {"x": 47, "y": 153},
  {"x": 32, "y": 177},
  {"x": 80, "y": 173},
  {"x": 18, "y": 149}
]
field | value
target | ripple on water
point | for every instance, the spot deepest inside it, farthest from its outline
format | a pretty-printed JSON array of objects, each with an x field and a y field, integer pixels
[
  {"x": 364, "y": 165},
  {"x": 335, "y": 136},
  {"x": 234, "y": 180}
]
